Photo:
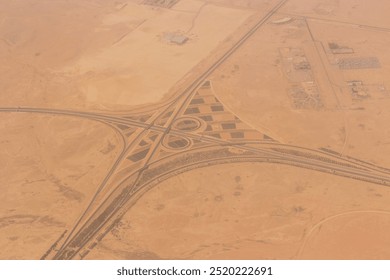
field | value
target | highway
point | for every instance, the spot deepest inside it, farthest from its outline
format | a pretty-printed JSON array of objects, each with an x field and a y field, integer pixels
[{"x": 112, "y": 200}]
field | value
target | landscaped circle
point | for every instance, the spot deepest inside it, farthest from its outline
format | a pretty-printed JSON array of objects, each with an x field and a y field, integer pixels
[{"x": 187, "y": 124}]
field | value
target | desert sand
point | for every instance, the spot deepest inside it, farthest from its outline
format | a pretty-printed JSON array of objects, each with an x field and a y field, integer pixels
[{"x": 191, "y": 129}]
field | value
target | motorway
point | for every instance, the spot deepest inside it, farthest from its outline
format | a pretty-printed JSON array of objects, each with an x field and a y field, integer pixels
[{"x": 171, "y": 150}]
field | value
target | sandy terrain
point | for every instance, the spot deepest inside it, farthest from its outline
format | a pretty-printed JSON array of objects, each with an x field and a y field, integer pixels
[
  {"x": 255, "y": 86},
  {"x": 109, "y": 56},
  {"x": 50, "y": 171},
  {"x": 254, "y": 211},
  {"x": 190, "y": 129}
]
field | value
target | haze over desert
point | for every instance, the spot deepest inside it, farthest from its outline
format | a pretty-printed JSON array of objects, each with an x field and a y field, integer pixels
[{"x": 194, "y": 129}]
